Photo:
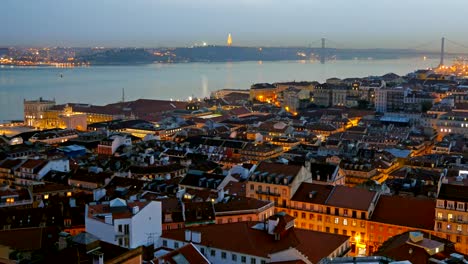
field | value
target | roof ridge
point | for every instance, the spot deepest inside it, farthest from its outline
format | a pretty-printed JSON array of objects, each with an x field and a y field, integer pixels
[{"x": 330, "y": 194}]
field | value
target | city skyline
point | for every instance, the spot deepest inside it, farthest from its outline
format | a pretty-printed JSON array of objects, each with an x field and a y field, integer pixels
[{"x": 386, "y": 24}]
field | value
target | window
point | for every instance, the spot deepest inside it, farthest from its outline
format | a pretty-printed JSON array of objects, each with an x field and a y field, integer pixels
[
  {"x": 164, "y": 243},
  {"x": 213, "y": 252},
  {"x": 327, "y": 229},
  {"x": 345, "y": 222},
  {"x": 311, "y": 216},
  {"x": 319, "y": 218},
  {"x": 202, "y": 250},
  {"x": 390, "y": 230},
  {"x": 450, "y": 217},
  {"x": 327, "y": 219},
  {"x": 371, "y": 226},
  {"x": 337, "y": 211},
  {"x": 337, "y": 220},
  {"x": 253, "y": 260},
  {"x": 176, "y": 244},
  {"x": 335, "y": 230},
  {"x": 120, "y": 228},
  {"x": 223, "y": 255},
  {"x": 345, "y": 232},
  {"x": 439, "y": 225},
  {"x": 459, "y": 228},
  {"x": 259, "y": 188},
  {"x": 354, "y": 214},
  {"x": 353, "y": 223},
  {"x": 449, "y": 227},
  {"x": 461, "y": 206},
  {"x": 450, "y": 205},
  {"x": 303, "y": 215},
  {"x": 363, "y": 224},
  {"x": 295, "y": 214},
  {"x": 345, "y": 212},
  {"x": 252, "y": 187},
  {"x": 440, "y": 215},
  {"x": 363, "y": 215},
  {"x": 263, "y": 261},
  {"x": 234, "y": 257},
  {"x": 459, "y": 239},
  {"x": 243, "y": 259}
]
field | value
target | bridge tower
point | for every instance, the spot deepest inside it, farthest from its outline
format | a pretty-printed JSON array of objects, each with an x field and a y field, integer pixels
[{"x": 323, "y": 52}]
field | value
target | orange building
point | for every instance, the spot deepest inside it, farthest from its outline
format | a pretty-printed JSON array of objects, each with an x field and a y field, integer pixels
[
  {"x": 328, "y": 208},
  {"x": 395, "y": 215}
]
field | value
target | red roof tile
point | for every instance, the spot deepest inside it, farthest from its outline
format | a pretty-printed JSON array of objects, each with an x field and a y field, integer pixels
[
  {"x": 353, "y": 198},
  {"x": 244, "y": 239},
  {"x": 189, "y": 252},
  {"x": 405, "y": 211}
]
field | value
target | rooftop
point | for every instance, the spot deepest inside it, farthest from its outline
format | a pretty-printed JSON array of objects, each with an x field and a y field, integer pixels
[{"x": 245, "y": 239}]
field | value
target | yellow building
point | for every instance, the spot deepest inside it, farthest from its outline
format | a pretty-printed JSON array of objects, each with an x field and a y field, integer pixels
[
  {"x": 451, "y": 212},
  {"x": 328, "y": 208},
  {"x": 276, "y": 182},
  {"x": 44, "y": 114}
]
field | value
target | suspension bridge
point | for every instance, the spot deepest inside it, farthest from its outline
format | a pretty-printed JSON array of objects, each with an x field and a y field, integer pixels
[{"x": 325, "y": 46}]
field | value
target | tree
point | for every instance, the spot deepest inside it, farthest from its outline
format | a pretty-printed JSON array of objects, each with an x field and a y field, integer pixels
[
  {"x": 363, "y": 104},
  {"x": 426, "y": 106}
]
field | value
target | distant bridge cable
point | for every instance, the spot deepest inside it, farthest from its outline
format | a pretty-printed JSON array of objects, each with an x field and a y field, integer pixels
[
  {"x": 425, "y": 44},
  {"x": 336, "y": 45},
  {"x": 457, "y": 43}
]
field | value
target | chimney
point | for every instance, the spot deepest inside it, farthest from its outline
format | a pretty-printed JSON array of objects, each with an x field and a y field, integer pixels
[
  {"x": 135, "y": 209},
  {"x": 188, "y": 235},
  {"x": 98, "y": 257},
  {"x": 108, "y": 219},
  {"x": 196, "y": 237},
  {"x": 272, "y": 223}
]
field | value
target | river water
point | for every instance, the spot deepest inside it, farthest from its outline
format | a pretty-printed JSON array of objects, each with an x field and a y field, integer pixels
[{"x": 104, "y": 84}]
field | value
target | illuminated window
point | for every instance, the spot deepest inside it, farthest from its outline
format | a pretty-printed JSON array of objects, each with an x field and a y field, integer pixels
[
  {"x": 337, "y": 220},
  {"x": 46, "y": 196},
  {"x": 440, "y": 215},
  {"x": 345, "y": 222}
]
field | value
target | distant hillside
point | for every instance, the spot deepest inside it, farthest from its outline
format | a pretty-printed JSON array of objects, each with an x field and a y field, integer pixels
[
  {"x": 224, "y": 53},
  {"x": 119, "y": 56}
]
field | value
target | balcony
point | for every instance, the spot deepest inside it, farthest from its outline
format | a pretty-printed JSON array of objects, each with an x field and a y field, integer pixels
[
  {"x": 268, "y": 193},
  {"x": 16, "y": 203}
]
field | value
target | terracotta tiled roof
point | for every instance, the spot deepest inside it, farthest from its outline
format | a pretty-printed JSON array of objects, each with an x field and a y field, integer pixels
[
  {"x": 454, "y": 192},
  {"x": 238, "y": 203},
  {"x": 353, "y": 198},
  {"x": 33, "y": 163},
  {"x": 189, "y": 253},
  {"x": 98, "y": 209},
  {"x": 245, "y": 240},
  {"x": 23, "y": 239},
  {"x": 405, "y": 211},
  {"x": 50, "y": 187},
  {"x": 319, "y": 193},
  {"x": 10, "y": 164},
  {"x": 279, "y": 168}
]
